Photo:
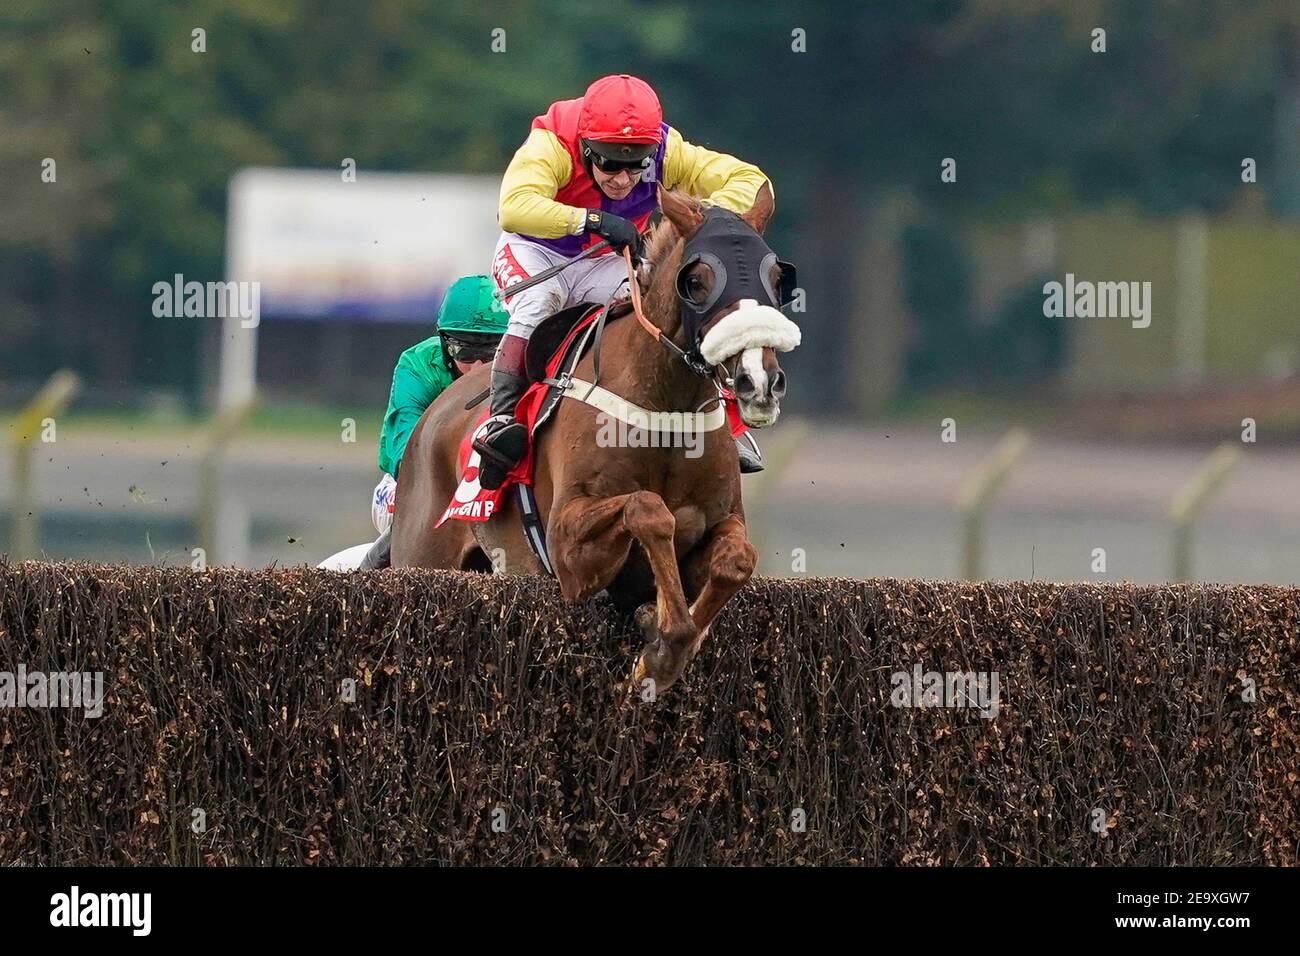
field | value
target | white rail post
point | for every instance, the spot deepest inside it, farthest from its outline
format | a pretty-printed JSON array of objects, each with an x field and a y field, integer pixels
[
  {"x": 220, "y": 520},
  {"x": 53, "y": 397},
  {"x": 1191, "y": 501},
  {"x": 975, "y": 495}
]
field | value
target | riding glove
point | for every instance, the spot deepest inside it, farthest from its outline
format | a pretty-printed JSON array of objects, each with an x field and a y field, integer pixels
[{"x": 620, "y": 232}]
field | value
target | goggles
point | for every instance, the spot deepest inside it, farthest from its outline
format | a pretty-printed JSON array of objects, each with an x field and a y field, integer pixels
[
  {"x": 618, "y": 165},
  {"x": 637, "y": 156},
  {"x": 469, "y": 350}
]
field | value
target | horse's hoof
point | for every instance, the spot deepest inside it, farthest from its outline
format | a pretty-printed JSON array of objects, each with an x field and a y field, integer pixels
[
  {"x": 647, "y": 620},
  {"x": 655, "y": 675},
  {"x": 644, "y": 678}
]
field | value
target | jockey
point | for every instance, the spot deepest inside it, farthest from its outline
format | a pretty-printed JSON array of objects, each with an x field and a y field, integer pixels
[
  {"x": 589, "y": 170},
  {"x": 470, "y": 324}
]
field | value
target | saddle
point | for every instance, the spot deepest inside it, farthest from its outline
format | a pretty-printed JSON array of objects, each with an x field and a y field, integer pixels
[{"x": 554, "y": 335}]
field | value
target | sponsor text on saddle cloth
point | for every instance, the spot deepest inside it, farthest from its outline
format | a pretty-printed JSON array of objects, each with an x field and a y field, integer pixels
[{"x": 472, "y": 502}]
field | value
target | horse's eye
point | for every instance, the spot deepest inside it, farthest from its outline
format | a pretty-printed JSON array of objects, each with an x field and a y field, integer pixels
[{"x": 693, "y": 285}]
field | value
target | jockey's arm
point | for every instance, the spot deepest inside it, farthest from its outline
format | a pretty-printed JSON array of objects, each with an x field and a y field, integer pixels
[
  {"x": 539, "y": 169},
  {"x": 414, "y": 390},
  {"x": 721, "y": 179}
]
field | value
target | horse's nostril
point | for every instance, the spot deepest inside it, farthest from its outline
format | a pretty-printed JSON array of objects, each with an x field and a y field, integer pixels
[
  {"x": 744, "y": 384},
  {"x": 778, "y": 384}
]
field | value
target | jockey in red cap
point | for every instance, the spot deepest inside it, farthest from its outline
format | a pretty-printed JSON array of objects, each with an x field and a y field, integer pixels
[{"x": 589, "y": 170}]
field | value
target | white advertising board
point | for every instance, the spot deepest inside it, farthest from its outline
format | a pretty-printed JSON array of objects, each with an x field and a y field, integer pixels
[{"x": 384, "y": 247}]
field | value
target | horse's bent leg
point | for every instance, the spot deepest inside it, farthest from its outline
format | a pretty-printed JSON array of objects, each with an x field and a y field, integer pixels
[
  {"x": 591, "y": 538},
  {"x": 726, "y": 560}
]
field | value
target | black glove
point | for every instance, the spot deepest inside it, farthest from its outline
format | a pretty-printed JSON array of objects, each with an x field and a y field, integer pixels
[{"x": 620, "y": 232}]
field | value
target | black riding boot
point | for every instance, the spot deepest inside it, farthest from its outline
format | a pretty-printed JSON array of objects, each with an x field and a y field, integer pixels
[
  {"x": 378, "y": 555},
  {"x": 506, "y": 440},
  {"x": 751, "y": 459}
]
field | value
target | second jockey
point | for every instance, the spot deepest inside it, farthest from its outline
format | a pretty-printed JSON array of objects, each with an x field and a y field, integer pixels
[
  {"x": 470, "y": 323},
  {"x": 589, "y": 170}
]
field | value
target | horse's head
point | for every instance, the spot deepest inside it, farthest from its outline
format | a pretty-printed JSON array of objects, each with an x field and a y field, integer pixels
[{"x": 730, "y": 287}]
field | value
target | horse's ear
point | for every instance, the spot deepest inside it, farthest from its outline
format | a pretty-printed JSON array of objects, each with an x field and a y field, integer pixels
[
  {"x": 761, "y": 211},
  {"x": 683, "y": 211}
]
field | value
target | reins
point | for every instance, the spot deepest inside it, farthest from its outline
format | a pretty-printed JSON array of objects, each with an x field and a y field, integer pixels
[
  {"x": 656, "y": 333},
  {"x": 722, "y": 383},
  {"x": 695, "y": 365},
  {"x": 716, "y": 372}
]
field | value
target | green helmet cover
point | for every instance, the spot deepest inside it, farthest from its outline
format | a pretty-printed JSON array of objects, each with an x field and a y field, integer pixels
[{"x": 470, "y": 306}]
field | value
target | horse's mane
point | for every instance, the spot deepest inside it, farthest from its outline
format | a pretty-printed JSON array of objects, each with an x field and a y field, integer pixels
[
  {"x": 660, "y": 241},
  {"x": 657, "y": 247}
]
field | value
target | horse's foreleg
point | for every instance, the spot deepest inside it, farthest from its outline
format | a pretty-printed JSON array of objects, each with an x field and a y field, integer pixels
[
  {"x": 590, "y": 540},
  {"x": 725, "y": 560}
]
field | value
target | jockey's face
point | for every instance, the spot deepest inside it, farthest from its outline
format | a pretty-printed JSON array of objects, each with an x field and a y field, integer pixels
[
  {"x": 616, "y": 185},
  {"x": 464, "y": 367}
]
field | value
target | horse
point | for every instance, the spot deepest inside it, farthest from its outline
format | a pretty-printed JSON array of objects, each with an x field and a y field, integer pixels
[{"x": 662, "y": 532}]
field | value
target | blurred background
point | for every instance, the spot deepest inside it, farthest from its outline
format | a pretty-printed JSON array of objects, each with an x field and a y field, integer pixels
[{"x": 935, "y": 164}]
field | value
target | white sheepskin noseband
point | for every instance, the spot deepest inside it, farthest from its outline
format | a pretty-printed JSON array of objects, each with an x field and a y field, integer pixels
[{"x": 750, "y": 326}]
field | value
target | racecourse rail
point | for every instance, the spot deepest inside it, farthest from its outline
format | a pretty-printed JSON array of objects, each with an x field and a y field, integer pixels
[{"x": 304, "y": 716}]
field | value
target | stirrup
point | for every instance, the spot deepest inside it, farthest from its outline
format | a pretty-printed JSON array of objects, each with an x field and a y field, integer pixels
[
  {"x": 501, "y": 449},
  {"x": 751, "y": 459}
]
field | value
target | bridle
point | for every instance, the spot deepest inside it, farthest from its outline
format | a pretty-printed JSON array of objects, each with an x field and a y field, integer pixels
[
  {"x": 693, "y": 361},
  {"x": 718, "y": 240}
]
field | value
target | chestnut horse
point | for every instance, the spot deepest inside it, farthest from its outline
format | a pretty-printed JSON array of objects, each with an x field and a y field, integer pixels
[{"x": 645, "y": 523}]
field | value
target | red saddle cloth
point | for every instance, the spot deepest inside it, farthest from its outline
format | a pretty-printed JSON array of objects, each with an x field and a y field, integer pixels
[{"x": 473, "y": 502}]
